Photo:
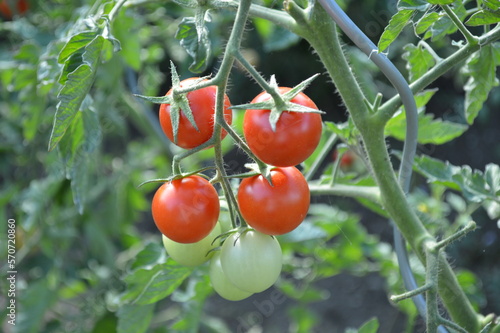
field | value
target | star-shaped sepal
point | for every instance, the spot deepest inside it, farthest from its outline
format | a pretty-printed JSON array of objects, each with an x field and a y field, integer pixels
[{"x": 280, "y": 103}]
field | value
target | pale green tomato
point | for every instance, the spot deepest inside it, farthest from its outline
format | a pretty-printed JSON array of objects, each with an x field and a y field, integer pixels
[
  {"x": 252, "y": 260},
  {"x": 192, "y": 254},
  {"x": 221, "y": 284}
]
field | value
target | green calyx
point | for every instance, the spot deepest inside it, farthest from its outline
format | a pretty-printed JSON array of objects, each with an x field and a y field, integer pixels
[{"x": 281, "y": 102}]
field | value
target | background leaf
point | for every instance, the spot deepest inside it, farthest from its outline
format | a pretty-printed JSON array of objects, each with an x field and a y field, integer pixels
[{"x": 481, "y": 69}]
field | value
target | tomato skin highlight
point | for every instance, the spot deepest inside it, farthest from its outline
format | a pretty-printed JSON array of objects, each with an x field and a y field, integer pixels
[
  {"x": 193, "y": 254},
  {"x": 277, "y": 209},
  {"x": 296, "y": 137},
  {"x": 186, "y": 210},
  {"x": 221, "y": 284},
  {"x": 202, "y": 104},
  {"x": 252, "y": 261}
]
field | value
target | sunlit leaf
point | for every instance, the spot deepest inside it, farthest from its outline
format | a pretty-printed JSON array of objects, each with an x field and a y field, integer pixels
[{"x": 394, "y": 28}]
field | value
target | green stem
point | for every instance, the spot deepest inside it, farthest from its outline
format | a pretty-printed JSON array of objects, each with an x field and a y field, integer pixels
[
  {"x": 390, "y": 107},
  {"x": 321, "y": 33},
  {"x": 471, "y": 39},
  {"x": 371, "y": 193},
  {"x": 431, "y": 295}
]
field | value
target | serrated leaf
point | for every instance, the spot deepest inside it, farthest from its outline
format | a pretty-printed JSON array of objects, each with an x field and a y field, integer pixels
[
  {"x": 75, "y": 44},
  {"x": 394, "y": 28},
  {"x": 146, "y": 286},
  {"x": 420, "y": 5},
  {"x": 426, "y": 22},
  {"x": 430, "y": 130},
  {"x": 484, "y": 17},
  {"x": 75, "y": 90},
  {"x": 75, "y": 149},
  {"x": 193, "y": 36},
  {"x": 474, "y": 185},
  {"x": 481, "y": 69},
  {"x": 134, "y": 318},
  {"x": 419, "y": 60}
]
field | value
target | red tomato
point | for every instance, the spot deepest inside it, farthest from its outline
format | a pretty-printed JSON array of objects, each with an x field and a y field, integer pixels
[
  {"x": 202, "y": 104},
  {"x": 296, "y": 137},
  {"x": 277, "y": 209},
  {"x": 5, "y": 10},
  {"x": 186, "y": 210}
]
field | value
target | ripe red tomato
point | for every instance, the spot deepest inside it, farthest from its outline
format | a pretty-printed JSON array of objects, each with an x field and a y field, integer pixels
[
  {"x": 296, "y": 137},
  {"x": 347, "y": 159},
  {"x": 277, "y": 209},
  {"x": 8, "y": 13},
  {"x": 202, "y": 104},
  {"x": 186, "y": 210}
]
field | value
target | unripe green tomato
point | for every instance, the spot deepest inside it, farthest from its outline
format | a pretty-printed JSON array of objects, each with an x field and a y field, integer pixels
[
  {"x": 251, "y": 260},
  {"x": 192, "y": 254},
  {"x": 222, "y": 286}
]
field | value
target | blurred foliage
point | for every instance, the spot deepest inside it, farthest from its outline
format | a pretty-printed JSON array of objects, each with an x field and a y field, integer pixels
[{"x": 88, "y": 255}]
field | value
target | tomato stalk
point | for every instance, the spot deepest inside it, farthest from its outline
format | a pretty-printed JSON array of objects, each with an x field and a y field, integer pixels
[
  {"x": 371, "y": 128},
  {"x": 221, "y": 80}
]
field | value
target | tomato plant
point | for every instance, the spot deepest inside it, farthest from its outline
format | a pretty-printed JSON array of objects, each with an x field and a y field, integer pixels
[
  {"x": 202, "y": 104},
  {"x": 296, "y": 136},
  {"x": 193, "y": 254},
  {"x": 221, "y": 284},
  {"x": 186, "y": 210},
  {"x": 278, "y": 208},
  {"x": 251, "y": 260}
]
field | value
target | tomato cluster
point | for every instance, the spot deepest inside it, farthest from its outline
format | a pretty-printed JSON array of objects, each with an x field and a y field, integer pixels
[{"x": 186, "y": 209}]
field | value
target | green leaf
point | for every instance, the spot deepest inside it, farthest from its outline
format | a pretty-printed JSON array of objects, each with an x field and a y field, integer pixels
[
  {"x": 394, "y": 28},
  {"x": 193, "y": 301},
  {"x": 133, "y": 318},
  {"x": 426, "y": 22},
  {"x": 151, "y": 255},
  {"x": 481, "y": 69},
  {"x": 75, "y": 90},
  {"x": 475, "y": 185},
  {"x": 75, "y": 150},
  {"x": 371, "y": 326},
  {"x": 484, "y": 17},
  {"x": 440, "y": 2},
  {"x": 193, "y": 36},
  {"x": 420, "y": 5},
  {"x": 75, "y": 44},
  {"x": 146, "y": 286},
  {"x": 491, "y": 5},
  {"x": 419, "y": 60},
  {"x": 35, "y": 301},
  {"x": 430, "y": 130}
]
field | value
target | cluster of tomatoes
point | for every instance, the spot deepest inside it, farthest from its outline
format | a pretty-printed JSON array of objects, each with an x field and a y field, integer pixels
[{"x": 186, "y": 210}]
